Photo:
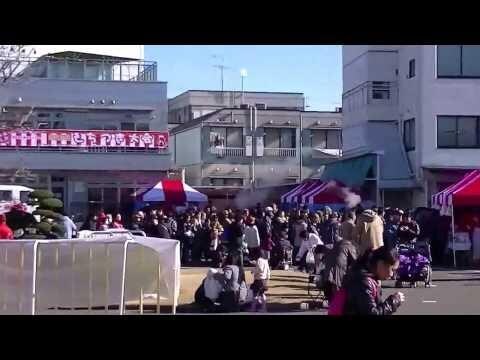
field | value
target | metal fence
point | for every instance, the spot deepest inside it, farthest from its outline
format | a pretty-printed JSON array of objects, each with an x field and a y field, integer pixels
[{"x": 54, "y": 276}]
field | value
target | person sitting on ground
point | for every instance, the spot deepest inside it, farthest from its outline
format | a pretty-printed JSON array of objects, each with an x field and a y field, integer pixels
[
  {"x": 5, "y": 232},
  {"x": 261, "y": 275},
  {"x": 209, "y": 290},
  {"x": 229, "y": 299},
  {"x": 361, "y": 288},
  {"x": 309, "y": 242}
]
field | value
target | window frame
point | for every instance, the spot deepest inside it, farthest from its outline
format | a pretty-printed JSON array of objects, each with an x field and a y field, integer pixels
[
  {"x": 457, "y": 117},
  {"x": 411, "y": 68},
  {"x": 326, "y": 132},
  {"x": 409, "y": 145},
  {"x": 461, "y": 76},
  {"x": 293, "y": 136}
]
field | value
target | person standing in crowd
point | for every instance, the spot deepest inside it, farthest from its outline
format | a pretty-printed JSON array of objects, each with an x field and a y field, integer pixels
[
  {"x": 188, "y": 238},
  {"x": 5, "y": 232},
  {"x": 299, "y": 227},
  {"x": 163, "y": 228},
  {"x": 261, "y": 275},
  {"x": 363, "y": 293},
  {"x": 235, "y": 244},
  {"x": 390, "y": 235},
  {"x": 309, "y": 242},
  {"x": 337, "y": 263},
  {"x": 369, "y": 231},
  {"x": 408, "y": 230},
  {"x": 102, "y": 222},
  {"x": 69, "y": 226},
  {"x": 252, "y": 239},
  {"x": 330, "y": 230},
  {"x": 172, "y": 225},
  {"x": 117, "y": 222},
  {"x": 347, "y": 228}
]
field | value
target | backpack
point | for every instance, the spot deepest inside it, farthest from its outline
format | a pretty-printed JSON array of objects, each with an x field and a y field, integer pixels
[{"x": 337, "y": 306}]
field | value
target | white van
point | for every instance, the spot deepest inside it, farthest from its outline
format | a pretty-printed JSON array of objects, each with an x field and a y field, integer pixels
[{"x": 14, "y": 193}]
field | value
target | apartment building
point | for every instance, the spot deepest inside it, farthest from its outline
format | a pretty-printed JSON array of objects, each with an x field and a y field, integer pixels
[
  {"x": 193, "y": 104},
  {"x": 235, "y": 148},
  {"x": 426, "y": 96},
  {"x": 95, "y": 128}
]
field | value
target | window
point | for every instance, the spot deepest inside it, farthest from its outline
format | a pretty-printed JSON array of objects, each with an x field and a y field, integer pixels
[
  {"x": 6, "y": 195},
  {"x": 24, "y": 196},
  {"x": 326, "y": 139},
  {"x": 127, "y": 126},
  {"x": 59, "y": 124},
  {"x": 380, "y": 90},
  {"x": 237, "y": 182},
  {"x": 280, "y": 138},
  {"x": 458, "y": 131},
  {"x": 143, "y": 127},
  {"x": 411, "y": 68},
  {"x": 226, "y": 136},
  {"x": 458, "y": 61},
  {"x": 409, "y": 134}
]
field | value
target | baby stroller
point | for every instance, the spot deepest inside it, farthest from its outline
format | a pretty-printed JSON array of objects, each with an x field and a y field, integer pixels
[
  {"x": 316, "y": 281},
  {"x": 414, "y": 266}
]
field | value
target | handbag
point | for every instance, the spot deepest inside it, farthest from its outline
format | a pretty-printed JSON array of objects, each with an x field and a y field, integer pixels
[{"x": 310, "y": 258}]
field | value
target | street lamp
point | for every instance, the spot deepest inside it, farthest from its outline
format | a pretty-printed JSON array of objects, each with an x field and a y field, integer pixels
[{"x": 243, "y": 74}]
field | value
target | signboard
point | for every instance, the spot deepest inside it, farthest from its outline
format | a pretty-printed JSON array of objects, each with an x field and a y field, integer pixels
[
  {"x": 83, "y": 139},
  {"x": 248, "y": 145},
  {"x": 260, "y": 146}
]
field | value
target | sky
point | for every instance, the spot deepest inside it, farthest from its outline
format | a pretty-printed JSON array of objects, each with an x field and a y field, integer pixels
[{"x": 315, "y": 70}]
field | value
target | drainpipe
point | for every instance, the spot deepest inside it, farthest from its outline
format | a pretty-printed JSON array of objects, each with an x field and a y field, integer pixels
[{"x": 301, "y": 147}]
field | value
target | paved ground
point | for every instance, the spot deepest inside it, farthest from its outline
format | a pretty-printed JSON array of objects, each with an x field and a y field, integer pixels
[{"x": 454, "y": 292}]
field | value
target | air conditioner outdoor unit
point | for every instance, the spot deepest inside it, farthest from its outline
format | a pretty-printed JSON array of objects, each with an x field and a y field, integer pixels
[
  {"x": 243, "y": 106},
  {"x": 261, "y": 106}
]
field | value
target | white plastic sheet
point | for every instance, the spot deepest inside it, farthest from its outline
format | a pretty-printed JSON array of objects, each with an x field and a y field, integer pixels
[{"x": 86, "y": 273}]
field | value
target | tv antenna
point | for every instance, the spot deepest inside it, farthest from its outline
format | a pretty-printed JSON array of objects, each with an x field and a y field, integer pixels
[{"x": 220, "y": 67}]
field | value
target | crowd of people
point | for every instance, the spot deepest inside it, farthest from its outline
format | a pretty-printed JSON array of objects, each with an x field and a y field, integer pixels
[{"x": 269, "y": 237}]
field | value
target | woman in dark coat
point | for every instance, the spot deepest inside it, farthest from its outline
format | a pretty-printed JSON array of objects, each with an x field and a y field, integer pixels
[
  {"x": 337, "y": 262},
  {"x": 362, "y": 288}
]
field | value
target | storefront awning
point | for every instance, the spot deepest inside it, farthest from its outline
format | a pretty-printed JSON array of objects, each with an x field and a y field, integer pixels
[
  {"x": 351, "y": 172},
  {"x": 466, "y": 192}
]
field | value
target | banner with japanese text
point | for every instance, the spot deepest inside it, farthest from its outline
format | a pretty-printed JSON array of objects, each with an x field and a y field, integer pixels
[{"x": 84, "y": 138}]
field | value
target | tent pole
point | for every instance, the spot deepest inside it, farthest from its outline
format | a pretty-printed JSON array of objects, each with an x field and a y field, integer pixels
[{"x": 453, "y": 239}]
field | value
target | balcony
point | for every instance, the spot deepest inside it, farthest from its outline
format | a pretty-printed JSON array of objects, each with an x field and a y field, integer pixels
[
  {"x": 227, "y": 151},
  {"x": 280, "y": 152},
  {"x": 79, "y": 68}
]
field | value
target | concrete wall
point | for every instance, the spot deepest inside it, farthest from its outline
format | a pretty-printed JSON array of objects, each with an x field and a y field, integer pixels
[{"x": 188, "y": 147}]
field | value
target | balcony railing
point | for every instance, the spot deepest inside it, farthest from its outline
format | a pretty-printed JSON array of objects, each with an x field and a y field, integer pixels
[
  {"x": 50, "y": 67},
  {"x": 281, "y": 152},
  {"x": 228, "y": 151}
]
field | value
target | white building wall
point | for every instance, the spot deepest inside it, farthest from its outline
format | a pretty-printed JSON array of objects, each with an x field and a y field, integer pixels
[
  {"x": 445, "y": 97},
  {"x": 188, "y": 149}
]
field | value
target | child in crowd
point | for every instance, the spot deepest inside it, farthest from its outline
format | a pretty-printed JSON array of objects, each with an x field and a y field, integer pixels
[{"x": 261, "y": 275}]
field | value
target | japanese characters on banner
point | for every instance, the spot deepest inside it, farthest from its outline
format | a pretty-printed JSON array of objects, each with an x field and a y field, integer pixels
[{"x": 84, "y": 138}]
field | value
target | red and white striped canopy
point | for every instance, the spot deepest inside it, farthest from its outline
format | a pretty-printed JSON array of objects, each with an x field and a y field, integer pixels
[
  {"x": 466, "y": 192},
  {"x": 173, "y": 192},
  {"x": 295, "y": 196}
]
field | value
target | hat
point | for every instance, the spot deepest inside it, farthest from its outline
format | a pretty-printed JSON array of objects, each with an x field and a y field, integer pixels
[{"x": 268, "y": 208}]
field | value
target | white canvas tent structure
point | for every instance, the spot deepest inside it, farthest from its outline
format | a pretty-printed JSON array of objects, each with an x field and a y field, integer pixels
[{"x": 40, "y": 276}]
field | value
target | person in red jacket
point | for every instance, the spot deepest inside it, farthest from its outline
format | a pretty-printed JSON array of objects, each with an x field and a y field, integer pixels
[{"x": 5, "y": 232}]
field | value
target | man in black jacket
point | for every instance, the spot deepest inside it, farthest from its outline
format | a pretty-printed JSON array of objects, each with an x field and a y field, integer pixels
[{"x": 235, "y": 244}]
